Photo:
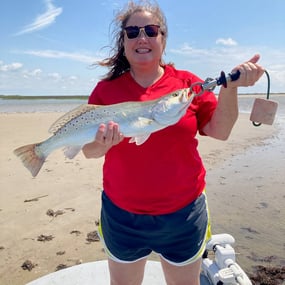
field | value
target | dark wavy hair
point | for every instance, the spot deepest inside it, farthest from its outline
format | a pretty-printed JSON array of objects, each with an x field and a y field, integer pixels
[{"x": 117, "y": 62}]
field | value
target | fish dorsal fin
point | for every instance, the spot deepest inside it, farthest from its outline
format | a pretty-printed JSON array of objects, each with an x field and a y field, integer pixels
[{"x": 63, "y": 120}]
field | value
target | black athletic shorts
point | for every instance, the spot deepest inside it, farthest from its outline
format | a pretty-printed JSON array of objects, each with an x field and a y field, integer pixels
[{"x": 180, "y": 237}]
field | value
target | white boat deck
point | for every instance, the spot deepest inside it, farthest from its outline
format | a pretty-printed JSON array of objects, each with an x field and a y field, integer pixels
[
  {"x": 222, "y": 268},
  {"x": 96, "y": 273}
]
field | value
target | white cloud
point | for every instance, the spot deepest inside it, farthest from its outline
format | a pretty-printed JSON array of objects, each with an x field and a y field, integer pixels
[
  {"x": 43, "y": 20},
  {"x": 36, "y": 73},
  {"x": 76, "y": 56},
  {"x": 186, "y": 49},
  {"x": 10, "y": 67},
  {"x": 226, "y": 42},
  {"x": 55, "y": 76},
  {"x": 210, "y": 62},
  {"x": 73, "y": 78}
]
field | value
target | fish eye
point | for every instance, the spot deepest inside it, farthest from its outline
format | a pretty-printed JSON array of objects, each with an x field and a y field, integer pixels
[{"x": 175, "y": 94}]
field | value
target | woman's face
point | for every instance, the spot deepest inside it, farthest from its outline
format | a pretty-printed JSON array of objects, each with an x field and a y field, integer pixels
[{"x": 143, "y": 51}]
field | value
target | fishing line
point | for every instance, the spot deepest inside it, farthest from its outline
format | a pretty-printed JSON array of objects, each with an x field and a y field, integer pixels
[{"x": 256, "y": 124}]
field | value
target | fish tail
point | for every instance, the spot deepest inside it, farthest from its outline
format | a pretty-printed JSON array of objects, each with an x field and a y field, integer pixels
[{"x": 31, "y": 158}]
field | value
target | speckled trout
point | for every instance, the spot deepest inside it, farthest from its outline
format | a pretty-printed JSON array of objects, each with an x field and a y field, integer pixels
[{"x": 78, "y": 127}]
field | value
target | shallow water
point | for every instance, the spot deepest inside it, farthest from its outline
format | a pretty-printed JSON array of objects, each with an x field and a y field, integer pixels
[
  {"x": 65, "y": 105},
  {"x": 38, "y": 105},
  {"x": 251, "y": 194}
]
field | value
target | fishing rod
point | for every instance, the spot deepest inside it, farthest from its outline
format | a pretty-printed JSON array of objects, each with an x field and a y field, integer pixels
[{"x": 263, "y": 111}]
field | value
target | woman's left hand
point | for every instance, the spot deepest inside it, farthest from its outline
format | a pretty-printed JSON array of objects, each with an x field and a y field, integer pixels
[{"x": 250, "y": 72}]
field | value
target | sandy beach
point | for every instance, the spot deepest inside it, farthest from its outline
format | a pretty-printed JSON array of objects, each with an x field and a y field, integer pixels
[{"x": 51, "y": 219}]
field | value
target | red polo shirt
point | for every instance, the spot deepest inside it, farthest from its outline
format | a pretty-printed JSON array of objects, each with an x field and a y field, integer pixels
[{"x": 166, "y": 172}]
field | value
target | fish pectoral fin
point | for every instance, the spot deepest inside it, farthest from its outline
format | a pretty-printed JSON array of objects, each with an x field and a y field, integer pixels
[
  {"x": 143, "y": 121},
  {"x": 139, "y": 139},
  {"x": 71, "y": 151}
]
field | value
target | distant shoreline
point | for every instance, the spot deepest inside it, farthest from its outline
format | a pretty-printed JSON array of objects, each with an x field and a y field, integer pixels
[
  {"x": 85, "y": 97},
  {"x": 37, "y": 97}
]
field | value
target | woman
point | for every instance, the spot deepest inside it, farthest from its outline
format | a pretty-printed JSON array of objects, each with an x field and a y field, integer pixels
[{"x": 153, "y": 197}]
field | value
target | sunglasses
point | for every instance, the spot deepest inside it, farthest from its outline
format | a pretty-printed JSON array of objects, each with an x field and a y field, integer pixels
[{"x": 150, "y": 30}]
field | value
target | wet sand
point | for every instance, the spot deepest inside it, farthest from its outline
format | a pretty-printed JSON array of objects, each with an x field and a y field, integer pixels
[{"x": 51, "y": 220}]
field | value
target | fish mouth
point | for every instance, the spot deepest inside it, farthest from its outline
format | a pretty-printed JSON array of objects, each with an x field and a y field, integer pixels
[
  {"x": 186, "y": 98},
  {"x": 186, "y": 95}
]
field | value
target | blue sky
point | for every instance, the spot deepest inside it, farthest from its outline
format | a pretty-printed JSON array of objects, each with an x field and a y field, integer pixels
[{"x": 47, "y": 46}]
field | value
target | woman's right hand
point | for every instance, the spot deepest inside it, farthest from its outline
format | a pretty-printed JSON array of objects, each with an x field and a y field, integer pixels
[{"x": 106, "y": 137}]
